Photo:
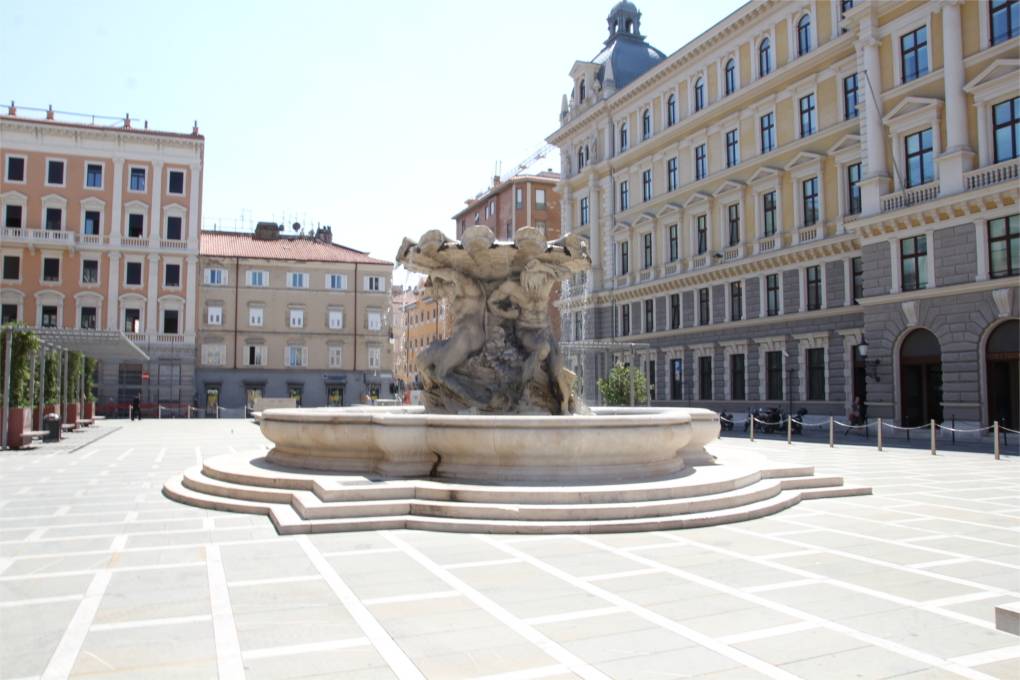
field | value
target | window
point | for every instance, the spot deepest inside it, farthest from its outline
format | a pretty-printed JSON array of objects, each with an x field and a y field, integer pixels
[
  {"x": 649, "y": 316},
  {"x": 258, "y": 279},
  {"x": 54, "y": 216},
  {"x": 813, "y": 276},
  {"x": 12, "y": 268},
  {"x": 736, "y": 301},
  {"x": 374, "y": 320},
  {"x": 580, "y": 161},
  {"x": 175, "y": 182},
  {"x": 1005, "y": 20},
  {"x": 732, "y": 149},
  {"x": 737, "y": 377},
  {"x": 920, "y": 158},
  {"x": 55, "y": 173},
  {"x": 624, "y": 195},
  {"x": 335, "y": 281},
  {"x": 214, "y": 315},
  {"x": 174, "y": 226},
  {"x": 816, "y": 374},
  {"x": 671, "y": 110},
  {"x": 132, "y": 320},
  {"x": 133, "y": 274},
  {"x": 297, "y": 280},
  {"x": 15, "y": 169},
  {"x": 674, "y": 242},
  {"x": 623, "y": 137},
  {"x": 646, "y": 124},
  {"x": 172, "y": 276},
  {"x": 767, "y": 125},
  {"x": 914, "y": 53},
  {"x": 772, "y": 295},
  {"x": 624, "y": 257},
  {"x": 94, "y": 175},
  {"x": 214, "y": 355},
  {"x": 699, "y": 94},
  {"x": 705, "y": 378},
  {"x": 255, "y": 315},
  {"x": 809, "y": 200},
  {"x": 374, "y": 283},
  {"x": 730, "y": 72},
  {"x": 773, "y": 375},
  {"x": 704, "y": 313},
  {"x": 733, "y": 219},
  {"x": 170, "y": 317},
  {"x": 136, "y": 225},
  {"x": 255, "y": 355},
  {"x": 671, "y": 176},
  {"x": 136, "y": 181},
  {"x": 49, "y": 317},
  {"x": 674, "y": 310},
  {"x": 700, "y": 162},
  {"x": 91, "y": 225},
  {"x": 8, "y": 313},
  {"x": 584, "y": 211},
  {"x": 764, "y": 58},
  {"x": 13, "y": 216},
  {"x": 676, "y": 379},
  {"x": 853, "y": 189},
  {"x": 1006, "y": 125},
  {"x": 296, "y": 318},
  {"x": 540, "y": 194},
  {"x": 1003, "y": 246},
  {"x": 625, "y": 320},
  {"x": 646, "y": 185},
  {"x": 768, "y": 211},
  {"x": 646, "y": 242},
  {"x": 807, "y": 115},
  {"x": 850, "y": 101},
  {"x": 803, "y": 35},
  {"x": 914, "y": 262},
  {"x": 857, "y": 276},
  {"x": 296, "y": 355},
  {"x": 216, "y": 277},
  {"x": 578, "y": 326},
  {"x": 336, "y": 356},
  {"x": 90, "y": 271},
  {"x": 375, "y": 357},
  {"x": 701, "y": 232},
  {"x": 51, "y": 269}
]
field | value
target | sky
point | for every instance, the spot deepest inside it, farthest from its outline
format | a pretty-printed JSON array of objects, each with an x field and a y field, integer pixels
[{"x": 378, "y": 119}]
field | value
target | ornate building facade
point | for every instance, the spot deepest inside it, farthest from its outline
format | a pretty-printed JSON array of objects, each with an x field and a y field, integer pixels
[{"x": 812, "y": 201}]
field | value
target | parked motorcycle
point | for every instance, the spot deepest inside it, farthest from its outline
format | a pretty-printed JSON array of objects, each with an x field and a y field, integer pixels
[
  {"x": 770, "y": 419},
  {"x": 725, "y": 420}
]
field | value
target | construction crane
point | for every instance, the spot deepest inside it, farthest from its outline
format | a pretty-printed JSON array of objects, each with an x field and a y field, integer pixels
[{"x": 528, "y": 162}]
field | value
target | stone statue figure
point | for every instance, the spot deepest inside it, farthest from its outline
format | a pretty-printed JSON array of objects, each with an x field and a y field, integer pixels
[{"x": 501, "y": 356}]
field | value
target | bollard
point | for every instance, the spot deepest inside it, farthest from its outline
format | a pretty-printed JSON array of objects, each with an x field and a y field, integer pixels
[
  {"x": 952, "y": 430},
  {"x": 995, "y": 430},
  {"x": 932, "y": 426},
  {"x": 879, "y": 434},
  {"x": 752, "y": 428},
  {"x": 789, "y": 430},
  {"x": 159, "y": 412},
  {"x": 831, "y": 435}
]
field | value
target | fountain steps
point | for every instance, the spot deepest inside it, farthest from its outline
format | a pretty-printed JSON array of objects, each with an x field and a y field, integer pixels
[{"x": 307, "y": 502}]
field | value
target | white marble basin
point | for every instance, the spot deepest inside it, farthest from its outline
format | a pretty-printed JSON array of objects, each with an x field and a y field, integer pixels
[{"x": 614, "y": 444}]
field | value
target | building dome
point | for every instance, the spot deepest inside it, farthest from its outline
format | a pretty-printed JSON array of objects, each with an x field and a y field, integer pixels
[{"x": 626, "y": 54}]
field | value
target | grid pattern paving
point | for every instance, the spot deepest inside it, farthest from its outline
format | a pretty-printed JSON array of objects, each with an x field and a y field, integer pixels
[{"x": 101, "y": 576}]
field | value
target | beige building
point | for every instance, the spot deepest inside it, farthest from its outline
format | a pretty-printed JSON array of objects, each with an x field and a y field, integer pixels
[
  {"x": 423, "y": 320},
  {"x": 810, "y": 202},
  {"x": 287, "y": 316}
]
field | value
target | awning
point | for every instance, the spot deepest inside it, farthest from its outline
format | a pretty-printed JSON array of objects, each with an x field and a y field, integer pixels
[{"x": 102, "y": 345}]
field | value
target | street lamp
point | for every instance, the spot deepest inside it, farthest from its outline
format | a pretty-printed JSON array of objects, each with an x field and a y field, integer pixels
[
  {"x": 862, "y": 351},
  {"x": 789, "y": 384}
]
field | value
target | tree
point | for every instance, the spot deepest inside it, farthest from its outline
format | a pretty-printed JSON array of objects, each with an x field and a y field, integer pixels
[{"x": 616, "y": 389}]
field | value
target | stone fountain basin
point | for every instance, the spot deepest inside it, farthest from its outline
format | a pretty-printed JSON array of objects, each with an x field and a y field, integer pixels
[{"x": 614, "y": 444}]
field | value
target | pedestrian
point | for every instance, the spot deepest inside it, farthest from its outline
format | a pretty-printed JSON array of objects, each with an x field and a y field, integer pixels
[{"x": 136, "y": 408}]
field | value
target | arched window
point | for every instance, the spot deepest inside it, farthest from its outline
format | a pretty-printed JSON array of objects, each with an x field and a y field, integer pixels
[
  {"x": 671, "y": 110},
  {"x": 646, "y": 124},
  {"x": 586, "y": 154},
  {"x": 804, "y": 35},
  {"x": 623, "y": 137},
  {"x": 582, "y": 90},
  {"x": 764, "y": 58},
  {"x": 731, "y": 77},
  {"x": 580, "y": 160},
  {"x": 699, "y": 94},
  {"x": 630, "y": 26}
]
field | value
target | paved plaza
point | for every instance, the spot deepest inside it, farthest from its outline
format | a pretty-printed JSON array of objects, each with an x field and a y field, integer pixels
[{"x": 101, "y": 576}]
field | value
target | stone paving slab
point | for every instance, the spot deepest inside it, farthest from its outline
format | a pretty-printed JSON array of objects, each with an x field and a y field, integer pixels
[{"x": 103, "y": 577}]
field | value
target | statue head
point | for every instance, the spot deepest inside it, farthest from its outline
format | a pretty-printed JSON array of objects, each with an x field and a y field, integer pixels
[{"x": 537, "y": 276}]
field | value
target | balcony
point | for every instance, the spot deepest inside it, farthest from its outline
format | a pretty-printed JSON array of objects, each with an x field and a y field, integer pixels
[
  {"x": 1007, "y": 171},
  {"x": 173, "y": 244},
  {"x": 130, "y": 242},
  {"x": 699, "y": 261},
  {"x": 733, "y": 253},
  {"x": 93, "y": 240},
  {"x": 45, "y": 236},
  {"x": 912, "y": 196},
  {"x": 768, "y": 244},
  {"x": 810, "y": 233}
]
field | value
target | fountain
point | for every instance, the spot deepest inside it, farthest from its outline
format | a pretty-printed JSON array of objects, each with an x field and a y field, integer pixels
[{"x": 502, "y": 444}]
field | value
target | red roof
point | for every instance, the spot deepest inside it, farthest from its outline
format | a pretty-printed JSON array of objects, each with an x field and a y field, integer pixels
[{"x": 226, "y": 244}]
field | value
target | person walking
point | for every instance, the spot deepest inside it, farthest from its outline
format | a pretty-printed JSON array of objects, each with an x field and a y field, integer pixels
[{"x": 136, "y": 408}]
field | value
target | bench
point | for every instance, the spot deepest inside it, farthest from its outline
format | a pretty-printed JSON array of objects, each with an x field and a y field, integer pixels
[
  {"x": 29, "y": 437},
  {"x": 85, "y": 422},
  {"x": 69, "y": 427}
]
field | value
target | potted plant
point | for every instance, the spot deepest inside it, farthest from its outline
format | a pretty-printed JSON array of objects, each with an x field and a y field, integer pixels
[
  {"x": 51, "y": 400},
  {"x": 616, "y": 389},
  {"x": 75, "y": 366},
  {"x": 24, "y": 344},
  {"x": 90, "y": 388}
]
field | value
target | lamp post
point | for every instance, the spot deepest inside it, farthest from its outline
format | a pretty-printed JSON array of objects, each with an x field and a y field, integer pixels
[
  {"x": 862, "y": 350},
  {"x": 789, "y": 384}
]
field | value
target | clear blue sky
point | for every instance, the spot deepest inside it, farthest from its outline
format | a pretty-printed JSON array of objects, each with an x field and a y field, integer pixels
[{"x": 379, "y": 119}]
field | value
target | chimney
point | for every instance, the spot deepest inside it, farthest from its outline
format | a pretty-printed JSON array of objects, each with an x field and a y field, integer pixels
[
  {"x": 127, "y": 120},
  {"x": 12, "y": 110},
  {"x": 49, "y": 113},
  {"x": 194, "y": 129}
]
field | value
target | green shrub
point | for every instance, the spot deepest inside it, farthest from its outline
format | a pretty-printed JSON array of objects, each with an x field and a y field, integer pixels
[
  {"x": 90, "y": 379},
  {"x": 24, "y": 346},
  {"x": 52, "y": 377},
  {"x": 75, "y": 366},
  {"x": 615, "y": 389}
]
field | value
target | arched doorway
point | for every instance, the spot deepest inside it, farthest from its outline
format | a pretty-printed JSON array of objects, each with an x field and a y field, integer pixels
[
  {"x": 1002, "y": 362},
  {"x": 921, "y": 378}
]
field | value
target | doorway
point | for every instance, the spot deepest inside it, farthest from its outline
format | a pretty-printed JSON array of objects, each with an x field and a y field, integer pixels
[
  {"x": 212, "y": 401},
  {"x": 1002, "y": 365},
  {"x": 921, "y": 378}
]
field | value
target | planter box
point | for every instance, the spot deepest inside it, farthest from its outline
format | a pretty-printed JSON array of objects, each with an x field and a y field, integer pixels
[
  {"x": 72, "y": 414},
  {"x": 90, "y": 410},
  {"x": 19, "y": 421}
]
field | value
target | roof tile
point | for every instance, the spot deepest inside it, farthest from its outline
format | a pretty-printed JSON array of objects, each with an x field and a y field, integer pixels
[{"x": 225, "y": 244}]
